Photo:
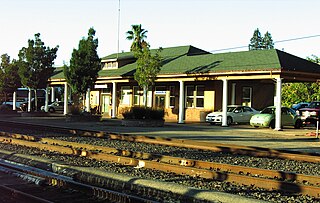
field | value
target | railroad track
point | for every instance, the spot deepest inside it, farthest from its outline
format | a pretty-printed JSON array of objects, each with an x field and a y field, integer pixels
[
  {"x": 266, "y": 179},
  {"x": 23, "y": 183}
]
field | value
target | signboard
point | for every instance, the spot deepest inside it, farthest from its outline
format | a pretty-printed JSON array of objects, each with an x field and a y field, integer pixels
[
  {"x": 160, "y": 92},
  {"x": 100, "y": 86}
]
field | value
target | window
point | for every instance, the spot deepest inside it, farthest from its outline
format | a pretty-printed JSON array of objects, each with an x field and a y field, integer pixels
[
  {"x": 246, "y": 96},
  {"x": 172, "y": 96},
  {"x": 125, "y": 95},
  {"x": 136, "y": 95},
  {"x": 195, "y": 96},
  {"x": 200, "y": 96},
  {"x": 110, "y": 65},
  {"x": 190, "y": 96}
]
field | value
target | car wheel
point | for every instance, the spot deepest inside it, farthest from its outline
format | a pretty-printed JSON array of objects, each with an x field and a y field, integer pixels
[
  {"x": 272, "y": 124},
  {"x": 298, "y": 124},
  {"x": 51, "y": 110},
  {"x": 229, "y": 121}
]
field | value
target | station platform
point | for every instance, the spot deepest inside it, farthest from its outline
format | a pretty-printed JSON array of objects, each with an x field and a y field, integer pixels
[{"x": 286, "y": 139}]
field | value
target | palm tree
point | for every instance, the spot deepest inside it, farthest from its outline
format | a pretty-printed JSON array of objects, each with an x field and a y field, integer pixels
[{"x": 137, "y": 34}]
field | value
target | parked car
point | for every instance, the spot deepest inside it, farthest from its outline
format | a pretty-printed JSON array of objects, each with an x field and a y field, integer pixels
[
  {"x": 311, "y": 113},
  {"x": 24, "y": 105},
  {"x": 55, "y": 106},
  {"x": 235, "y": 114},
  {"x": 266, "y": 118},
  {"x": 300, "y": 105},
  {"x": 18, "y": 102}
]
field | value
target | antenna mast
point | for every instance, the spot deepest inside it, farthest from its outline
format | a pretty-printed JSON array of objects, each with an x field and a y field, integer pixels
[{"x": 118, "y": 29}]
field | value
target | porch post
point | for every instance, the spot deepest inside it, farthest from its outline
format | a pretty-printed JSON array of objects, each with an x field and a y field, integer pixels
[
  {"x": 114, "y": 100},
  {"x": 52, "y": 94},
  {"x": 14, "y": 100},
  {"x": 88, "y": 100},
  {"x": 65, "y": 108},
  {"x": 29, "y": 100},
  {"x": 233, "y": 94},
  {"x": 224, "y": 102},
  {"x": 278, "y": 104},
  {"x": 181, "y": 103},
  {"x": 46, "y": 100}
]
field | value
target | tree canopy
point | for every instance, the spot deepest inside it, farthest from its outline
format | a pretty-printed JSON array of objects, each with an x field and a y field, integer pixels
[
  {"x": 9, "y": 77},
  {"x": 148, "y": 65},
  {"x": 84, "y": 64},
  {"x": 293, "y": 93},
  {"x": 36, "y": 63},
  {"x": 258, "y": 42},
  {"x": 138, "y": 36}
]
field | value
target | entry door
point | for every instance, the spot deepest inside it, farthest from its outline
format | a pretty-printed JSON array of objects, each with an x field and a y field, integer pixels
[
  {"x": 105, "y": 104},
  {"x": 160, "y": 101}
]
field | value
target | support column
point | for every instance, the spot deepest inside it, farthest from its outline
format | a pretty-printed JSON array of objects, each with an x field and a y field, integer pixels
[
  {"x": 29, "y": 100},
  {"x": 224, "y": 102},
  {"x": 233, "y": 94},
  {"x": 53, "y": 94},
  {"x": 278, "y": 104},
  {"x": 14, "y": 99},
  {"x": 46, "y": 102},
  {"x": 65, "y": 107},
  {"x": 114, "y": 100},
  {"x": 88, "y": 100},
  {"x": 181, "y": 103}
]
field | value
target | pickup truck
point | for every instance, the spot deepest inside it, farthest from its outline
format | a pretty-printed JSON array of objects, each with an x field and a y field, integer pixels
[{"x": 311, "y": 113}]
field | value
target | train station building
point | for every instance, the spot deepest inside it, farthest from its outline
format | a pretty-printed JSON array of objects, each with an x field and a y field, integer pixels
[{"x": 193, "y": 82}]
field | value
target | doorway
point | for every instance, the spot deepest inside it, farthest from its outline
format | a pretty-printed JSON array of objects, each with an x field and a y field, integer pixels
[{"x": 105, "y": 104}]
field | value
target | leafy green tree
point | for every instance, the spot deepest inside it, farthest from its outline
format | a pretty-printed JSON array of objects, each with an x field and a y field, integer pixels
[
  {"x": 84, "y": 65},
  {"x": 138, "y": 36},
  {"x": 256, "y": 40},
  {"x": 36, "y": 64},
  {"x": 9, "y": 77},
  {"x": 293, "y": 93},
  {"x": 148, "y": 67},
  {"x": 267, "y": 41}
]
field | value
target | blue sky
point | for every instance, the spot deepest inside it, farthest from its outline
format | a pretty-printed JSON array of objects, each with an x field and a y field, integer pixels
[{"x": 207, "y": 24}]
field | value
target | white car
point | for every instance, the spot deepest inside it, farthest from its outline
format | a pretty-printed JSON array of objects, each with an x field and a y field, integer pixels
[{"x": 235, "y": 114}]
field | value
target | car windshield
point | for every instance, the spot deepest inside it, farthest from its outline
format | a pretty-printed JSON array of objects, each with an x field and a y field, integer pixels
[
  {"x": 268, "y": 111},
  {"x": 314, "y": 105},
  {"x": 230, "y": 109}
]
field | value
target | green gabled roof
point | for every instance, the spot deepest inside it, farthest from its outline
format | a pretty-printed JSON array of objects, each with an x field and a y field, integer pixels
[
  {"x": 58, "y": 73},
  {"x": 191, "y": 60},
  {"x": 223, "y": 62}
]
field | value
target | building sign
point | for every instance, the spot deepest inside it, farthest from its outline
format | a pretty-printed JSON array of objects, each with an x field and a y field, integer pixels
[
  {"x": 100, "y": 86},
  {"x": 160, "y": 92}
]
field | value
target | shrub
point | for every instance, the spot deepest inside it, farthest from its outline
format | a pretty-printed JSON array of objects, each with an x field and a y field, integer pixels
[
  {"x": 75, "y": 110},
  {"x": 143, "y": 113},
  {"x": 5, "y": 108}
]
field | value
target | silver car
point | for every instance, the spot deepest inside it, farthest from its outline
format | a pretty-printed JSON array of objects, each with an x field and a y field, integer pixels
[
  {"x": 235, "y": 114},
  {"x": 55, "y": 106}
]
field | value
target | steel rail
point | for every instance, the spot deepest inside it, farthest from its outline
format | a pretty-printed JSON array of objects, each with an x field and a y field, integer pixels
[
  {"x": 202, "y": 145},
  {"x": 178, "y": 169},
  {"x": 67, "y": 182},
  {"x": 281, "y": 175},
  {"x": 20, "y": 196}
]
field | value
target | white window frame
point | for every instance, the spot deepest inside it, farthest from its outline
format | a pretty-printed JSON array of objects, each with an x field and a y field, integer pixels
[{"x": 125, "y": 95}]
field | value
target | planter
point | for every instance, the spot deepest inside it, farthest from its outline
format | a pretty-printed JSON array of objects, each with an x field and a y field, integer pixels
[
  {"x": 83, "y": 118},
  {"x": 142, "y": 123}
]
